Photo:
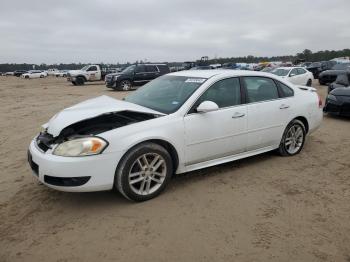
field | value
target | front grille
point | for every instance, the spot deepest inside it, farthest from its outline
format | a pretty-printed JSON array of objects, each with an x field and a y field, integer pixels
[{"x": 44, "y": 141}]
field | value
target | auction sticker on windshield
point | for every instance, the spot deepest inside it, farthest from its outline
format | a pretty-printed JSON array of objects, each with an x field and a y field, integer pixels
[{"x": 195, "y": 80}]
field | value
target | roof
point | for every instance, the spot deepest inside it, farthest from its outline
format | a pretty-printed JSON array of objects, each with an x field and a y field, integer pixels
[{"x": 218, "y": 72}]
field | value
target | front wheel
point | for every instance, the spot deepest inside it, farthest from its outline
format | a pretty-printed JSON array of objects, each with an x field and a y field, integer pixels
[
  {"x": 309, "y": 82},
  {"x": 125, "y": 85},
  {"x": 80, "y": 81},
  {"x": 293, "y": 139},
  {"x": 144, "y": 172}
]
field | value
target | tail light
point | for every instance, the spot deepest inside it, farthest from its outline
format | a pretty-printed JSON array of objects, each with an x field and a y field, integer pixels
[{"x": 319, "y": 101}]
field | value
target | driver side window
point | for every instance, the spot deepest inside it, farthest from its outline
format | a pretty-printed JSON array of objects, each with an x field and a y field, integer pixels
[
  {"x": 92, "y": 68},
  {"x": 224, "y": 93},
  {"x": 294, "y": 72}
]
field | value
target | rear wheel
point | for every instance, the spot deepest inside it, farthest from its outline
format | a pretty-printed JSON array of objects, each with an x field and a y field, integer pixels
[
  {"x": 293, "y": 139},
  {"x": 125, "y": 85},
  {"x": 309, "y": 82},
  {"x": 144, "y": 172},
  {"x": 26, "y": 77},
  {"x": 41, "y": 76}
]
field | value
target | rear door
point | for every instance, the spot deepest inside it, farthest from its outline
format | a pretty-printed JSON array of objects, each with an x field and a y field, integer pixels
[
  {"x": 268, "y": 112},
  {"x": 220, "y": 133},
  {"x": 152, "y": 72},
  {"x": 141, "y": 75}
]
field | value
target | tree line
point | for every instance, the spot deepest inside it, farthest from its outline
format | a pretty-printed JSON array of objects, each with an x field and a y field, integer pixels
[{"x": 307, "y": 55}]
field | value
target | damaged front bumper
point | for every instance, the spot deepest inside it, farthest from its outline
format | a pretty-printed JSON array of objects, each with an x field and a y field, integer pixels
[{"x": 73, "y": 174}]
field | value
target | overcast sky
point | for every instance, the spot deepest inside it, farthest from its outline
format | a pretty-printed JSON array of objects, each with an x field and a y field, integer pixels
[{"x": 167, "y": 30}]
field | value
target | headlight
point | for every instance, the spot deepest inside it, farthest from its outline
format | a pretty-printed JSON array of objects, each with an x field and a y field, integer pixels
[
  {"x": 81, "y": 147},
  {"x": 331, "y": 97}
]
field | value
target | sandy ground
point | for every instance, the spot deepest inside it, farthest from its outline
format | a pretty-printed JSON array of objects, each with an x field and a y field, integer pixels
[{"x": 265, "y": 208}]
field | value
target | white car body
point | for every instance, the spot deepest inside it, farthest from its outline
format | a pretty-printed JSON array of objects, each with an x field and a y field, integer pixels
[
  {"x": 297, "y": 75},
  {"x": 199, "y": 139},
  {"x": 52, "y": 71},
  {"x": 34, "y": 74}
]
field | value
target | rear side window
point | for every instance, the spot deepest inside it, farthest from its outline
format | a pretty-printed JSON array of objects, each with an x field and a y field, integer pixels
[
  {"x": 140, "y": 69},
  {"x": 286, "y": 90},
  {"x": 301, "y": 71},
  {"x": 151, "y": 68},
  {"x": 260, "y": 89},
  {"x": 163, "y": 69}
]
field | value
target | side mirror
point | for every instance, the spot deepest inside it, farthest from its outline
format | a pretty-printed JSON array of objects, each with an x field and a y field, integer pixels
[
  {"x": 207, "y": 106},
  {"x": 292, "y": 74}
]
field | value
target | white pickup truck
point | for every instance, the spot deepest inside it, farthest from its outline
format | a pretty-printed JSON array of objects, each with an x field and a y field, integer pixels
[{"x": 88, "y": 73}]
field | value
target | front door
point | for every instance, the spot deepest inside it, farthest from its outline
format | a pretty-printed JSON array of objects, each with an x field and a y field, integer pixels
[{"x": 219, "y": 133}]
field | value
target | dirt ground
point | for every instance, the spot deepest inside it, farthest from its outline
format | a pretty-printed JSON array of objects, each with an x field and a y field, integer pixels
[{"x": 265, "y": 208}]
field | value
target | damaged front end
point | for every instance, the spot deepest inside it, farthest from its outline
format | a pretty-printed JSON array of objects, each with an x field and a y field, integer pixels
[{"x": 92, "y": 127}]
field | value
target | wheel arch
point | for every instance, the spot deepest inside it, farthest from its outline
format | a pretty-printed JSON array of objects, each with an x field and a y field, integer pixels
[
  {"x": 85, "y": 79},
  {"x": 304, "y": 121},
  {"x": 167, "y": 145}
]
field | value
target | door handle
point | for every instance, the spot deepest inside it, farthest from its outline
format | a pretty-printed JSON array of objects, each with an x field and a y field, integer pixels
[
  {"x": 284, "y": 106},
  {"x": 238, "y": 115}
]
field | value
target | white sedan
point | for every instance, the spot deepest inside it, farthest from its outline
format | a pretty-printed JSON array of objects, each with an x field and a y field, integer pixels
[
  {"x": 295, "y": 75},
  {"x": 34, "y": 74},
  {"x": 176, "y": 123}
]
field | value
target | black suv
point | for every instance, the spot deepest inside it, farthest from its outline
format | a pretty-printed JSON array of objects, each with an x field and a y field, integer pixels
[
  {"x": 317, "y": 67},
  {"x": 329, "y": 76},
  {"x": 18, "y": 73},
  {"x": 135, "y": 75}
]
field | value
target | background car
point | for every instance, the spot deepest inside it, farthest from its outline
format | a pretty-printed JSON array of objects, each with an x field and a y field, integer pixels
[
  {"x": 61, "y": 73},
  {"x": 34, "y": 74},
  {"x": 317, "y": 67},
  {"x": 329, "y": 76},
  {"x": 338, "y": 102},
  {"x": 18, "y": 73},
  {"x": 202, "y": 68},
  {"x": 343, "y": 80},
  {"x": 295, "y": 75}
]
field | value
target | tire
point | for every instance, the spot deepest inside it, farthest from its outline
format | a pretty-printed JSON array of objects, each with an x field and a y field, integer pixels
[
  {"x": 80, "y": 81},
  {"x": 64, "y": 76},
  {"x": 134, "y": 177},
  {"x": 41, "y": 76},
  {"x": 298, "y": 139},
  {"x": 74, "y": 83},
  {"x": 125, "y": 85},
  {"x": 26, "y": 77},
  {"x": 309, "y": 82}
]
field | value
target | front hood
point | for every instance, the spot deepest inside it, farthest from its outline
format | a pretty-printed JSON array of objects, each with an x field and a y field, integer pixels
[
  {"x": 92, "y": 108},
  {"x": 75, "y": 72}
]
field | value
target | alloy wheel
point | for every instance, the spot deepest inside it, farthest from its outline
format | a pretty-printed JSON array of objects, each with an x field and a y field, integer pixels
[
  {"x": 294, "y": 139},
  {"x": 147, "y": 173}
]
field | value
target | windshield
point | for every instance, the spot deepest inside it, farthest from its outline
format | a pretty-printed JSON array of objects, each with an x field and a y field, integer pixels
[
  {"x": 129, "y": 69},
  {"x": 167, "y": 93},
  {"x": 85, "y": 68},
  {"x": 343, "y": 66},
  {"x": 280, "y": 72}
]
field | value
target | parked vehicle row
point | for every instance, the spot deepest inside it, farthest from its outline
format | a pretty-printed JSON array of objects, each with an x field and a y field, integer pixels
[{"x": 135, "y": 75}]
